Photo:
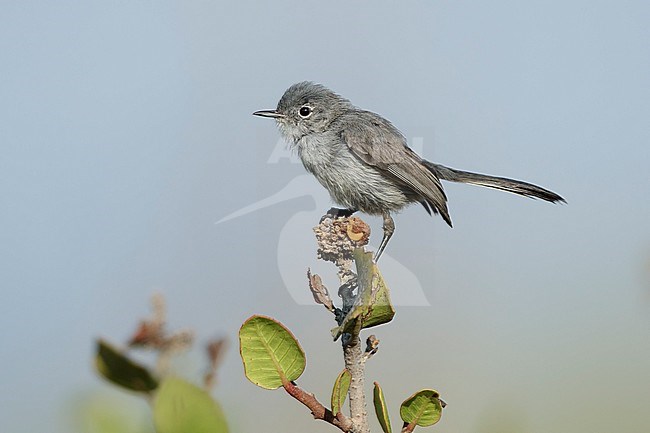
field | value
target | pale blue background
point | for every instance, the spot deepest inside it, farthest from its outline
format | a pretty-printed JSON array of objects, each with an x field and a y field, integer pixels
[{"x": 125, "y": 133}]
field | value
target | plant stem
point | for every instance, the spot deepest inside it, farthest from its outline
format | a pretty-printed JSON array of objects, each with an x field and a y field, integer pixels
[
  {"x": 317, "y": 409},
  {"x": 335, "y": 245},
  {"x": 354, "y": 362}
]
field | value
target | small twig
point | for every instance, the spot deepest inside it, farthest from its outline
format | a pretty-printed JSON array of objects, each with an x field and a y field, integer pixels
[
  {"x": 408, "y": 427},
  {"x": 151, "y": 334},
  {"x": 215, "y": 350},
  {"x": 317, "y": 409}
]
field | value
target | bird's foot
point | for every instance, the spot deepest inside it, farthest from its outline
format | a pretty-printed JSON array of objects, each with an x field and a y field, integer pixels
[{"x": 338, "y": 213}]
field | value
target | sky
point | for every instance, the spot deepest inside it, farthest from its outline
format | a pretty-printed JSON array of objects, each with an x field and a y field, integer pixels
[{"x": 127, "y": 144}]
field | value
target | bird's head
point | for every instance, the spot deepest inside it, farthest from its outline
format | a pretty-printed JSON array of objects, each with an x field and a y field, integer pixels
[{"x": 306, "y": 108}]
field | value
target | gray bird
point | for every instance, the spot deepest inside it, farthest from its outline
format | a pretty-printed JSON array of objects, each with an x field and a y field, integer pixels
[{"x": 364, "y": 161}]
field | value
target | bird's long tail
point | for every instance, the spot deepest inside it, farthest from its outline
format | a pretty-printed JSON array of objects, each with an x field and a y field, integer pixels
[{"x": 502, "y": 183}]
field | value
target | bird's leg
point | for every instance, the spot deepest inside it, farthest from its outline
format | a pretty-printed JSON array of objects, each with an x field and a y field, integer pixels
[{"x": 389, "y": 229}]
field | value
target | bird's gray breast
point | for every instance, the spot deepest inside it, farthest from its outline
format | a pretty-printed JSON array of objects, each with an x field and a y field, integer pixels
[{"x": 350, "y": 182}]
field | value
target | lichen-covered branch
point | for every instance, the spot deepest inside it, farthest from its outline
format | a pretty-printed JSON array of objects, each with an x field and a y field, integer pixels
[{"x": 337, "y": 239}]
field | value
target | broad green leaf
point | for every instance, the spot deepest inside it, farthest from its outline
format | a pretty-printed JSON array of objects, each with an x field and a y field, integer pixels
[
  {"x": 101, "y": 412},
  {"x": 422, "y": 408},
  {"x": 180, "y": 407},
  {"x": 270, "y": 353},
  {"x": 380, "y": 409},
  {"x": 122, "y": 371},
  {"x": 340, "y": 390},
  {"x": 373, "y": 306}
]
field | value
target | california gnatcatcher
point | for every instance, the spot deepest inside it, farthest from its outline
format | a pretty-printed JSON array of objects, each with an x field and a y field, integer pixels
[{"x": 364, "y": 161}]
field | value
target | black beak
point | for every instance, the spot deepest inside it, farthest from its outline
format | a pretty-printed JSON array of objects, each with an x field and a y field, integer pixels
[{"x": 268, "y": 113}]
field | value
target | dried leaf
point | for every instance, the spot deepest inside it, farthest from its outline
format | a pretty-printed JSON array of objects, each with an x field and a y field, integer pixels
[{"x": 319, "y": 291}]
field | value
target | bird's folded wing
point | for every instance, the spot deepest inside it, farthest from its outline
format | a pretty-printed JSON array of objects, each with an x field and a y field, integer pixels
[{"x": 378, "y": 143}]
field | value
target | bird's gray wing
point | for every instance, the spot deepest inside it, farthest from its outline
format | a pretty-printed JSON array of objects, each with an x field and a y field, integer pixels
[{"x": 375, "y": 141}]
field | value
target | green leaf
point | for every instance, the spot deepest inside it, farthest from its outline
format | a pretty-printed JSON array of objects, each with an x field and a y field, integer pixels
[
  {"x": 180, "y": 407},
  {"x": 422, "y": 408},
  {"x": 271, "y": 355},
  {"x": 122, "y": 371},
  {"x": 93, "y": 412},
  {"x": 340, "y": 390},
  {"x": 380, "y": 409},
  {"x": 373, "y": 306}
]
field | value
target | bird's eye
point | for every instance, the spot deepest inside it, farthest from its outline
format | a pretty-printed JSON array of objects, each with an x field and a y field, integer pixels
[{"x": 305, "y": 111}]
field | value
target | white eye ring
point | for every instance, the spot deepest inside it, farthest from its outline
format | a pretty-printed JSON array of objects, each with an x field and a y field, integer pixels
[{"x": 305, "y": 111}]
